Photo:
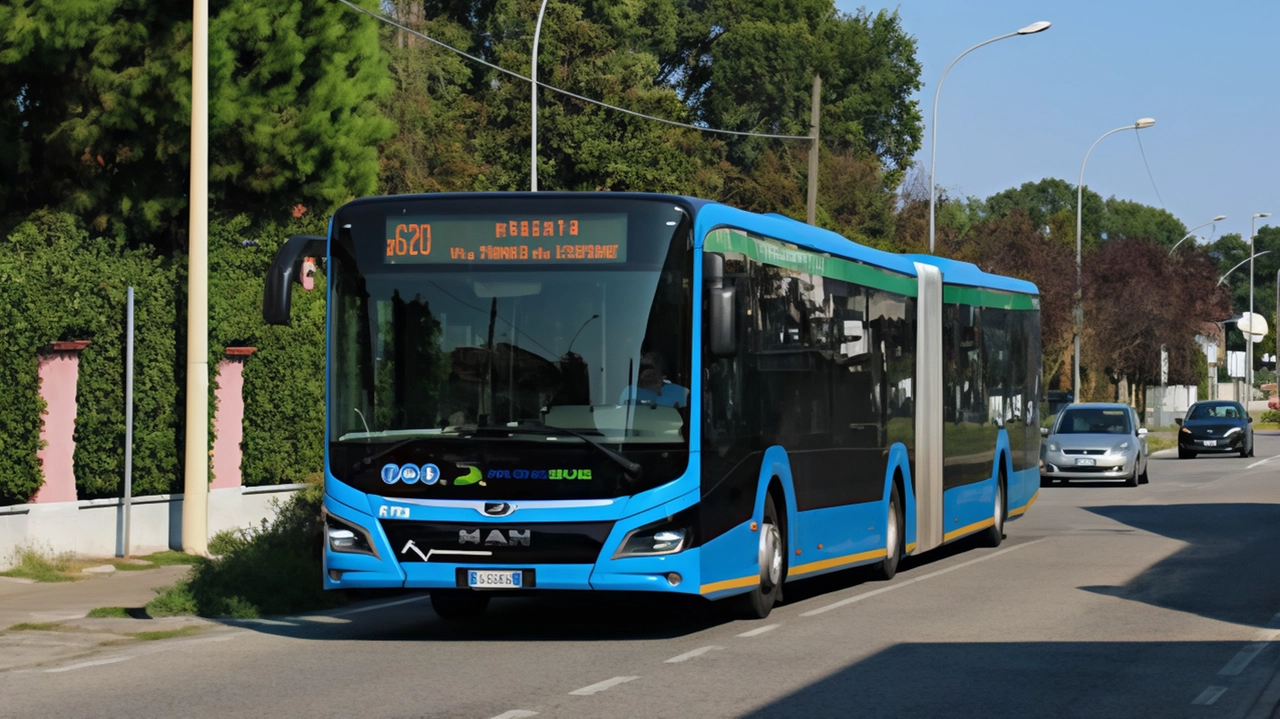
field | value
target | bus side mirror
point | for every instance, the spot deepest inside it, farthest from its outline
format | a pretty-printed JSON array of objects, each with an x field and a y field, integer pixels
[
  {"x": 286, "y": 268},
  {"x": 721, "y": 338}
]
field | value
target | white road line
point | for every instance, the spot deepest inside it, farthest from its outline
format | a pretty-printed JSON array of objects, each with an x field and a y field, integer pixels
[
  {"x": 761, "y": 630},
  {"x": 384, "y": 605},
  {"x": 1262, "y": 461},
  {"x": 601, "y": 686},
  {"x": 900, "y": 585},
  {"x": 1209, "y": 696},
  {"x": 517, "y": 714},
  {"x": 1242, "y": 659},
  {"x": 94, "y": 663},
  {"x": 690, "y": 655}
]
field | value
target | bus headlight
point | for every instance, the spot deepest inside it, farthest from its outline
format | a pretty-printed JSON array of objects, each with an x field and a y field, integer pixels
[
  {"x": 345, "y": 537},
  {"x": 666, "y": 536}
]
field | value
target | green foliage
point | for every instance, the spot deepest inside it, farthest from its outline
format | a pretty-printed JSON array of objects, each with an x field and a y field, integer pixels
[
  {"x": 1047, "y": 200},
  {"x": 1131, "y": 220},
  {"x": 271, "y": 570},
  {"x": 1271, "y": 416},
  {"x": 91, "y": 125},
  {"x": 34, "y": 563},
  {"x": 108, "y": 613}
]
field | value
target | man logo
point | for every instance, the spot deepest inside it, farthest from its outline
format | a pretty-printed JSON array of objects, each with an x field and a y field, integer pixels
[{"x": 495, "y": 538}]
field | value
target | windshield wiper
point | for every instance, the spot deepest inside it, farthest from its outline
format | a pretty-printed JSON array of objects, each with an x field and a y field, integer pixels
[{"x": 632, "y": 469}]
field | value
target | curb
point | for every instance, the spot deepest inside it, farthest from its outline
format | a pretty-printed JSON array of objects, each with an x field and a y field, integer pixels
[{"x": 1164, "y": 452}]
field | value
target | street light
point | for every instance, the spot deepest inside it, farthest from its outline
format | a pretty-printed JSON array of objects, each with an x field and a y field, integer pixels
[
  {"x": 1142, "y": 124},
  {"x": 1031, "y": 29},
  {"x": 1219, "y": 218},
  {"x": 533, "y": 87},
  {"x": 1233, "y": 269},
  {"x": 1249, "y": 390}
]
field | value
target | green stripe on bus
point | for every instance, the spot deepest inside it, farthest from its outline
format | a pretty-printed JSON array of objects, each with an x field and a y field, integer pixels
[
  {"x": 957, "y": 295},
  {"x": 773, "y": 252}
]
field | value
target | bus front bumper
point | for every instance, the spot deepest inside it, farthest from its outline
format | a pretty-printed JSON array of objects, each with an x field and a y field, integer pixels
[{"x": 380, "y": 556}]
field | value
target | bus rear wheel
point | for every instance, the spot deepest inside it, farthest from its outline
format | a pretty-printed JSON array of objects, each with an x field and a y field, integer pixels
[
  {"x": 459, "y": 603},
  {"x": 772, "y": 555},
  {"x": 893, "y": 539}
]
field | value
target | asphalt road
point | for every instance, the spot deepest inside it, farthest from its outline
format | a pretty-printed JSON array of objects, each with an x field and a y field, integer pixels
[{"x": 1104, "y": 601}]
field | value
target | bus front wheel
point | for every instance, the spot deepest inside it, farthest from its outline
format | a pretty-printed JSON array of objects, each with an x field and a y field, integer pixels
[
  {"x": 772, "y": 555},
  {"x": 459, "y": 603},
  {"x": 893, "y": 538}
]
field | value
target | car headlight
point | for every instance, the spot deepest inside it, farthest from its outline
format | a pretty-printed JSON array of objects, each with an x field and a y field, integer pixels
[
  {"x": 1188, "y": 431},
  {"x": 1231, "y": 431},
  {"x": 668, "y": 535},
  {"x": 1120, "y": 448},
  {"x": 1053, "y": 447}
]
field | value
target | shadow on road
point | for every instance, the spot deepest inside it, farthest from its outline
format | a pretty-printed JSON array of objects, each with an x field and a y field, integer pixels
[
  {"x": 1227, "y": 571},
  {"x": 1027, "y": 679}
]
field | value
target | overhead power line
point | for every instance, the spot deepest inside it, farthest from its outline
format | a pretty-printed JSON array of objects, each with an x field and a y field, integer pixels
[
  {"x": 1153, "y": 177},
  {"x": 575, "y": 96}
]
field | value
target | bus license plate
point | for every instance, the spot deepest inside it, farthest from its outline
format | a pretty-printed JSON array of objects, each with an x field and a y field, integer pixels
[
  {"x": 1211, "y": 443},
  {"x": 1086, "y": 462},
  {"x": 485, "y": 579}
]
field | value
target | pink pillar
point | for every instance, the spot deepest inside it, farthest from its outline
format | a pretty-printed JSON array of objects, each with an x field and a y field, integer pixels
[
  {"x": 59, "y": 371},
  {"x": 228, "y": 420}
]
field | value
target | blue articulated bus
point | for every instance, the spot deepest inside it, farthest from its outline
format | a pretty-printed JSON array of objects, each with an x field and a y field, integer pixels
[{"x": 605, "y": 391}]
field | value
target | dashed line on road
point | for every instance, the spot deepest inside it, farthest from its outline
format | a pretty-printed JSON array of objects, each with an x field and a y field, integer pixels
[
  {"x": 900, "y": 585},
  {"x": 690, "y": 655},
  {"x": 1242, "y": 659},
  {"x": 1209, "y": 696},
  {"x": 384, "y": 605},
  {"x": 1262, "y": 461},
  {"x": 86, "y": 665},
  {"x": 517, "y": 714},
  {"x": 601, "y": 686},
  {"x": 760, "y": 630}
]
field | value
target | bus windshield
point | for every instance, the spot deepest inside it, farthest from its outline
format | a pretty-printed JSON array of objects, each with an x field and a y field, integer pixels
[{"x": 492, "y": 348}]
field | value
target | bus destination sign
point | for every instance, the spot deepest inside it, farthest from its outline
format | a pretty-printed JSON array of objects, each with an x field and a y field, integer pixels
[{"x": 586, "y": 238}]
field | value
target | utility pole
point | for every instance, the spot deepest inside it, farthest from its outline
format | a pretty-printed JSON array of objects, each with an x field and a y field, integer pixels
[
  {"x": 812, "y": 214},
  {"x": 195, "y": 495}
]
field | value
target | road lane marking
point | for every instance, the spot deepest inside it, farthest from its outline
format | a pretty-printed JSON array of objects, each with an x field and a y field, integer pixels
[
  {"x": 1242, "y": 659},
  {"x": 761, "y": 630},
  {"x": 85, "y": 665},
  {"x": 868, "y": 595},
  {"x": 690, "y": 655},
  {"x": 517, "y": 714},
  {"x": 601, "y": 686},
  {"x": 1262, "y": 461},
  {"x": 1209, "y": 696},
  {"x": 384, "y": 605}
]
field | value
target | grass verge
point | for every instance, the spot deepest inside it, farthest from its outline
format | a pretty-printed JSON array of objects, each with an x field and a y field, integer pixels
[
  {"x": 40, "y": 627},
  {"x": 32, "y": 563},
  {"x": 1156, "y": 444},
  {"x": 274, "y": 569},
  {"x": 108, "y": 613},
  {"x": 167, "y": 558},
  {"x": 166, "y": 633}
]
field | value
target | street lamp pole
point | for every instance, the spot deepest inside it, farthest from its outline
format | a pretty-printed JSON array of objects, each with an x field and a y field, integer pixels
[
  {"x": 1031, "y": 29},
  {"x": 1219, "y": 218},
  {"x": 533, "y": 87},
  {"x": 1248, "y": 397},
  {"x": 1078, "y": 310}
]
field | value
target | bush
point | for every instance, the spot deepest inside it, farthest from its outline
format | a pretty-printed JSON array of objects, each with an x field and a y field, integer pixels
[
  {"x": 43, "y": 566},
  {"x": 1271, "y": 416},
  {"x": 274, "y": 569}
]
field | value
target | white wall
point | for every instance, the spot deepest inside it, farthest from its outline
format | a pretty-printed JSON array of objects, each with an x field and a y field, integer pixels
[{"x": 95, "y": 527}]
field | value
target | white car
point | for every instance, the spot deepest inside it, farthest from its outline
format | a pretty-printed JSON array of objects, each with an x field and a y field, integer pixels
[{"x": 1095, "y": 441}]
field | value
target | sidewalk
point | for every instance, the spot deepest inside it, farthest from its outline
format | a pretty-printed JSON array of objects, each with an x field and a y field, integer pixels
[{"x": 60, "y": 608}]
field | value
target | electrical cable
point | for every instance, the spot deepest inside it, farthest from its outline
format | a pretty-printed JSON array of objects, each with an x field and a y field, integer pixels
[
  {"x": 1144, "y": 161},
  {"x": 575, "y": 96}
]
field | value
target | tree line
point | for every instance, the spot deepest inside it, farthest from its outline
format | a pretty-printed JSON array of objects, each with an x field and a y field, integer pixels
[{"x": 313, "y": 104}]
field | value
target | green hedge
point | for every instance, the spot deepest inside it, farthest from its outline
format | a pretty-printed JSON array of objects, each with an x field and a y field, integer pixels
[{"x": 57, "y": 282}]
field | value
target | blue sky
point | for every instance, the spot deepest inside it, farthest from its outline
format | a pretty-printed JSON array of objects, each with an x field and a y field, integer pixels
[{"x": 1029, "y": 107}]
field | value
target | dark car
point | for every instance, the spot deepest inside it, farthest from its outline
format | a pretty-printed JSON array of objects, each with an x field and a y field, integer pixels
[{"x": 1215, "y": 427}]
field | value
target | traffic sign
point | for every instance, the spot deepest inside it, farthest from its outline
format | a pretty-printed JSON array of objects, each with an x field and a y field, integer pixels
[{"x": 1252, "y": 323}]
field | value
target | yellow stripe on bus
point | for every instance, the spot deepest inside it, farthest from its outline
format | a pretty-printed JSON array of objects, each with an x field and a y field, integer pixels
[
  {"x": 730, "y": 584},
  {"x": 969, "y": 529},
  {"x": 834, "y": 562},
  {"x": 1026, "y": 506},
  {"x": 911, "y": 548}
]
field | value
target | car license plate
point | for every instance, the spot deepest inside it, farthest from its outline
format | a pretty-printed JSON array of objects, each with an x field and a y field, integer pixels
[
  {"x": 1211, "y": 443},
  {"x": 1086, "y": 462},
  {"x": 486, "y": 579}
]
